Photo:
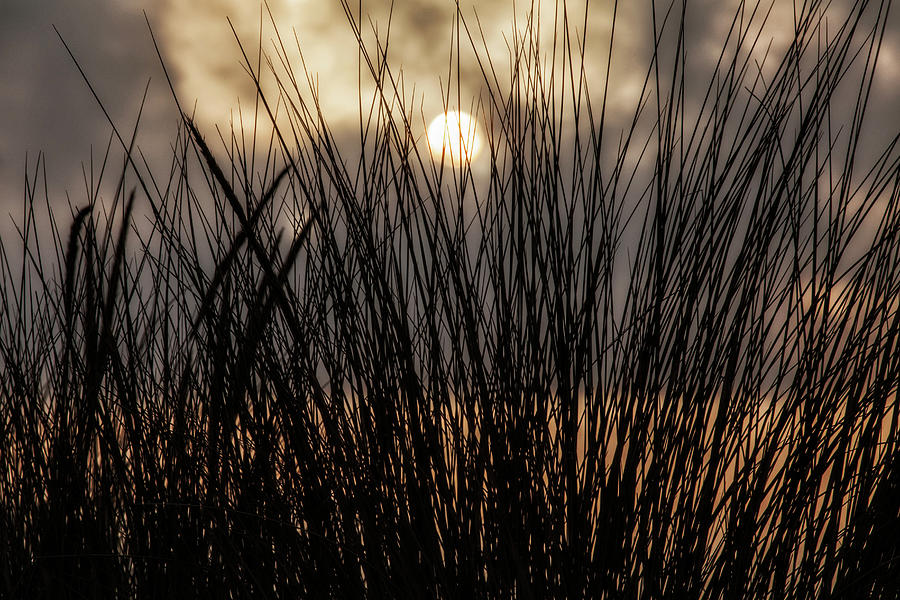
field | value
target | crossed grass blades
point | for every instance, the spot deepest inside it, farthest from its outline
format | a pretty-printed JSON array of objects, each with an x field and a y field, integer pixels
[{"x": 660, "y": 362}]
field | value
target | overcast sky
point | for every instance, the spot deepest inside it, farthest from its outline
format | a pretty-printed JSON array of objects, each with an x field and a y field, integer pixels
[{"x": 46, "y": 107}]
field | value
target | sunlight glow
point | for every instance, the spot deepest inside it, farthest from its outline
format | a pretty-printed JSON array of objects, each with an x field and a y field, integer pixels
[{"x": 455, "y": 136}]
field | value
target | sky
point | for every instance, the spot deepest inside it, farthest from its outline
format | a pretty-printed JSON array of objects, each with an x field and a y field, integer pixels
[{"x": 45, "y": 106}]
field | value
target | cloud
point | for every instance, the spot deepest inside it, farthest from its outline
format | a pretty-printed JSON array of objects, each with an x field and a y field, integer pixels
[
  {"x": 202, "y": 50},
  {"x": 45, "y": 106}
]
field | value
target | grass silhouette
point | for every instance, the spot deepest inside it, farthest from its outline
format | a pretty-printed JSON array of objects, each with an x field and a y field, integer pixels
[{"x": 660, "y": 362}]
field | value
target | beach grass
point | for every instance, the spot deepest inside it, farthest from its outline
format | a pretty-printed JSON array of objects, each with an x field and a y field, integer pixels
[{"x": 646, "y": 358}]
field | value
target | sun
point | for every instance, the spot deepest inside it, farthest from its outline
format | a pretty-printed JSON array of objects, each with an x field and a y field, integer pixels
[{"x": 454, "y": 136}]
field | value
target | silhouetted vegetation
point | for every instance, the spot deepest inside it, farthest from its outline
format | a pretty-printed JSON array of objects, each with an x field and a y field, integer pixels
[{"x": 655, "y": 362}]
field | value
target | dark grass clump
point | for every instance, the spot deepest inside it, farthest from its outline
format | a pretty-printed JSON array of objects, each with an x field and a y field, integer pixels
[{"x": 654, "y": 361}]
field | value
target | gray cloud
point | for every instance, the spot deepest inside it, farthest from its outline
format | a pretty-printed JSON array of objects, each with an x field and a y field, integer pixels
[
  {"x": 206, "y": 61},
  {"x": 44, "y": 105}
]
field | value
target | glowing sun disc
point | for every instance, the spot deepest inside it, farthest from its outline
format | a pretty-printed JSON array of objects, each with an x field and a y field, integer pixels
[{"x": 454, "y": 135}]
